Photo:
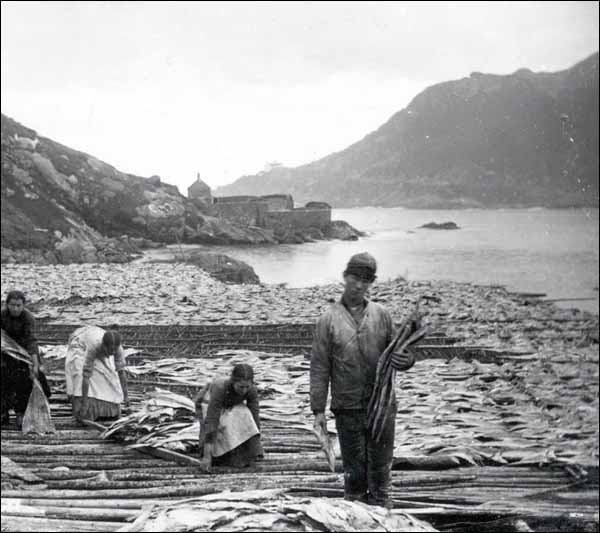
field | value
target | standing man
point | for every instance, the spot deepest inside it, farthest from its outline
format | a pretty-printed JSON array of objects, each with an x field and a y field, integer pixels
[
  {"x": 17, "y": 375},
  {"x": 349, "y": 338}
]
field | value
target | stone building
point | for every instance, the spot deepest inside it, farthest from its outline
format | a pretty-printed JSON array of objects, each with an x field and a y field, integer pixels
[
  {"x": 272, "y": 211},
  {"x": 200, "y": 190},
  {"x": 244, "y": 210},
  {"x": 278, "y": 202}
]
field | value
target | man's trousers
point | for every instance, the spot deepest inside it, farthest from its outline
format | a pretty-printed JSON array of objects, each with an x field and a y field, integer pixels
[{"x": 367, "y": 464}]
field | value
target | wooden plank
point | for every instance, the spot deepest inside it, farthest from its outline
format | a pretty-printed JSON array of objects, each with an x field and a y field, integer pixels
[
  {"x": 172, "y": 456},
  {"x": 581, "y": 299},
  {"x": 106, "y": 448},
  {"x": 94, "y": 425},
  {"x": 70, "y": 513},
  {"x": 66, "y": 503},
  {"x": 88, "y": 462},
  {"x": 22, "y": 523}
]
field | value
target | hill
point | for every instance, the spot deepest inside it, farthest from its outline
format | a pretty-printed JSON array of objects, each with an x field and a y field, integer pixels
[{"x": 524, "y": 139}]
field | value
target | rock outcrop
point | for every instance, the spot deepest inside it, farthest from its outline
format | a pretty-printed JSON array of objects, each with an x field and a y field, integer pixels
[
  {"x": 76, "y": 248},
  {"x": 224, "y": 268},
  {"x": 219, "y": 266},
  {"x": 212, "y": 230},
  {"x": 440, "y": 225},
  {"x": 64, "y": 206},
  {"x": 339, "y": 229}
]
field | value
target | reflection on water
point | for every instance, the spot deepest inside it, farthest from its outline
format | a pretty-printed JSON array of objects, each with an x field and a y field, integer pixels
[{"x": 543, "y": 250}]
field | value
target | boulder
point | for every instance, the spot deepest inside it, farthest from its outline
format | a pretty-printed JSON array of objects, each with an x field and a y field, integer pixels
[
  {"x": 211, "y": 230},
  {"x": 224, "y": 268},
  {"x": 442, "y": 225},
  {"x": 143, "y": 244},
  {"x": 288, "y": 236},
  {"x": 32, "y": 256},
  {"x": 73, "y": 250},
  {"x": 314, "y": 234},
  {"x": 111, "y": 252},
  {"x": 7, "y": 255},
  {"x": 340, "y": 229},
  {"x": 50, "y": 257}
]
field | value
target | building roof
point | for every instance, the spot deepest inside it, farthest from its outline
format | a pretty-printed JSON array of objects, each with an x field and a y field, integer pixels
[{"x": 199, "y": 187}]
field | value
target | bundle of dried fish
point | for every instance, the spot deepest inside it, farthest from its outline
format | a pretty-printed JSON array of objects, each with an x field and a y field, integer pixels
[
  {"x": 381, "y": 398},
  {"x": 271, "y": 510},
  {"x": 37, "y": 417},
  {"x": 327, "y": 446},
  {"x": 14, "y": 350}
]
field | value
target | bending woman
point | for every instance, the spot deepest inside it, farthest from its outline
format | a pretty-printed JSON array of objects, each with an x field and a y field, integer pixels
[
  {"x": 230, "y": 432},
  {"x": 96, "y": 384}
]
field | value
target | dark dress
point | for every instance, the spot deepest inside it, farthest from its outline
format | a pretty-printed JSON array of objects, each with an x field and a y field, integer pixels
[
  {"x": 16, "y": 381},
  {"x": 223, "y": 396}
]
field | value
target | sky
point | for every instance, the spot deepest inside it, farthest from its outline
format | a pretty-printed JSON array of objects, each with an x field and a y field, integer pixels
[{"x": 222, "y": 88}]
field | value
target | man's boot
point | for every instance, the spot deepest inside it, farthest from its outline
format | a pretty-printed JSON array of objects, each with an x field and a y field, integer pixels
[{"x": 19, "y": 421}]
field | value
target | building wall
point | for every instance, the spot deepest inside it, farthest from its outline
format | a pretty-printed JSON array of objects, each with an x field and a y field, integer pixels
[
  {"x": 244, "y": 213},
  {"x": 278, "y": 202},
  {"x": 298, "y": 218},
  {"x": 231, "y": 199},
  {"x": 199, "y": 190}
]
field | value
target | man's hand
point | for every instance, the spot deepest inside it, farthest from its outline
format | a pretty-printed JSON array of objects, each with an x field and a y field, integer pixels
[
  {"x": 320, "y": 422},
  {"x": 126, "y": 402},
  {"x": 415, "y": 321},
  {"x": 402, "y": 360}
]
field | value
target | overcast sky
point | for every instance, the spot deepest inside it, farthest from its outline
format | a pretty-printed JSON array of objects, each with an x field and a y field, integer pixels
[{"x": 221, "y": 88}]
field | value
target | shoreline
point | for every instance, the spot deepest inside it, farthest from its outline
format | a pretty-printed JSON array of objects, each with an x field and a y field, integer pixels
[{"x": 172, "y": 253}]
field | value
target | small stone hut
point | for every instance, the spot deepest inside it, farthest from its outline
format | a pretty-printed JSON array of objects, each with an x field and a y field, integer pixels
[{"x": 200, "y": 191}]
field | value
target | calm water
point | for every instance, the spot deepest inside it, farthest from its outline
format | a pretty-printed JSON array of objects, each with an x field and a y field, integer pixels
[{"x": 533, "y": 250}]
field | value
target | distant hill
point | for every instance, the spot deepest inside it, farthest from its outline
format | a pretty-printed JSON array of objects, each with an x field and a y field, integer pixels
[{"x": 524, "y": 139}]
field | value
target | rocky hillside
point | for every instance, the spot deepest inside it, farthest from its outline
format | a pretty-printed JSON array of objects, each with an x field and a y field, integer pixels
[
  {"x": 62, "y": 205},
  {"x": 524, "y": 139}
]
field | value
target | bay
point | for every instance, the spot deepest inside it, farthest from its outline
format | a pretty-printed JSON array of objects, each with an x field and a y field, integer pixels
[{"x": 552, "y": 251}]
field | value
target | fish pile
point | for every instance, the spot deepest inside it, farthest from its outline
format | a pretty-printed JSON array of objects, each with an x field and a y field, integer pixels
[
  {"x": 165, "y": 420},
  {"x": 270, "y": 510},
  {"x": 183, "y": 294},
  {"x": 532, "y": 412},
  {"x": 524, "y": 412},
  {"x": 276, "y": 376}
]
